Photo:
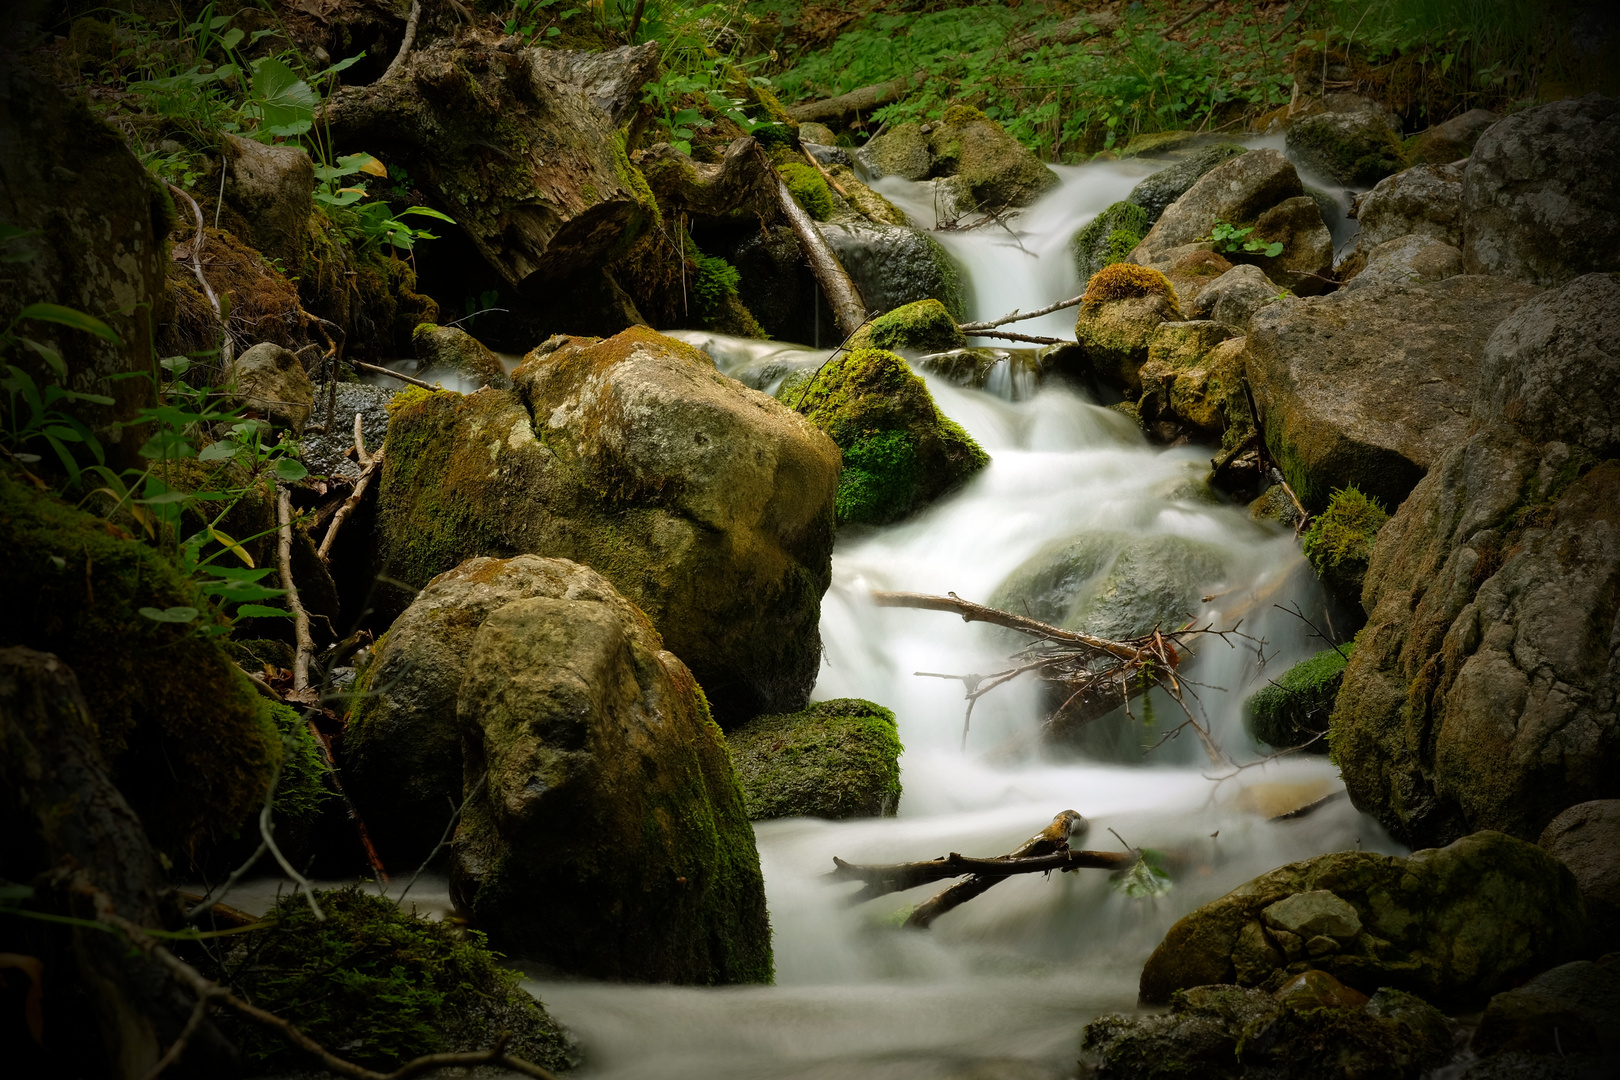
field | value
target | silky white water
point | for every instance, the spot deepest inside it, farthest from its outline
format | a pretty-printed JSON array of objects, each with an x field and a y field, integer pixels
[{"x": 1002, "y": 986}]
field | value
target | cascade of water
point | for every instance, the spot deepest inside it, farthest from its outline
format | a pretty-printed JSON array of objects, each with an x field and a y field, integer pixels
[{"x": 1006, "y": 982}]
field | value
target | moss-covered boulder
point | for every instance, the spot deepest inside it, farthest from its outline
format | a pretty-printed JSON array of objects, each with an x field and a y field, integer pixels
[
  {"x": 604, "y": 832},
  {"x": 1190, "y": 381},
  {"x": 706, "y": 503},
  {"x": 896, "y": 266},
  {"x": 926, "y": 326},
  {"x": 449, "y": 351},
  {"x": 189, "y": 741},
  {"x": 901, "y": 151},
  {"x": 836, "y": 759},
  {"x": 381, "y": 985},
  {"x": 1108, "y": 238},
  {"x": 1230, "y": 1033},
  {"x": 900, "y": 452},
  {"x": 1353, "y": 141},
  {"x": 1124, "y": 306},
  {"x": 993, "y": 169},
  {"x": 1339, "y": 542},
  {"x": 1452, "y": 925},
  {"x": 1294, "y": 710}
]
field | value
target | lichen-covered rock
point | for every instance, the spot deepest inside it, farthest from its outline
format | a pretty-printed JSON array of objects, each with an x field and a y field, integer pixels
[
  {"x": 189, "y": 742},
  {"x": 706, "y": 503},
  {"x": 1167, "y": 185},
  {"x": 1426, "y": 201},
  {"x": 102, "y": 222},
  {"x": 894, "y": 266},
  {"x": 450, "y": 350},
  {"x": 1586, "y": 838},
  {"x": 925, "y": 326},
  {"x": 521, "y": 146},
  {"x": 604, "y": 832},
  {"x": 1371, "y": 387},
  {"x": 1108, "y": 238},
  {"x": 269, "y": 196},
  {"x": 1193, "y": 378},
  {"x": 1481, "y": 693},
  {"x": 271, "y": 381},
  {"x": 836, "y": 759},
  {"x": 1451, "y": 141},
  {"x": 900, "y": 452},
  {"x": 1124, "y": 307},
  {"x": 1406, "y": 260},
  {"x": 1540, "y": 191},
  {"x": 1452, "y": 925},
  {"x": 1230, "y": 1033},
  {"x": 901, "y": 151},
  {"x": 994, "y": 169},
  {"x": 1234, "y": 297},
  {"x": 1353, "y": 141},
  {"x": 1339, "y": 542},
  {"x": 1294, "y": 710}
]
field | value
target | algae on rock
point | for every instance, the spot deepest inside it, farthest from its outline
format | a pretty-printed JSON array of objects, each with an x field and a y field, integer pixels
[{"x": 836, "y": 759}]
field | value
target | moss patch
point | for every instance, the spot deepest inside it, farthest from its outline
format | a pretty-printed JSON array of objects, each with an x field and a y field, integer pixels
[
  {"x": 836, "y": 759},
  {"x": 381, "y": 986},
  {"x": 1339, "y": 541},
  {"x": 809, "y": 189},
  {"x": 1294, "y": 709},
  {"x": 1127, "y": 281},
  {"x": 1108, "y": 238},
  {"x": 301, "y": 791},
  {"x": 923, "y": 327}
]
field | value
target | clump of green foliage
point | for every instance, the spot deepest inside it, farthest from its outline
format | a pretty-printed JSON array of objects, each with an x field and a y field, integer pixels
[
  {"x": 705, "y": 87},
  {"x": 301, "y": 789},
  {"x": 809, "y": 189},
  {"x": 714, "y": 281},
  {"x": 1228, "y": 239},
  {"x": 382, "y": 986},
  {"x": 1339, "y": 541},
  {"x": 1294, "y": 710},
  {"x": 836, "y": 759}
]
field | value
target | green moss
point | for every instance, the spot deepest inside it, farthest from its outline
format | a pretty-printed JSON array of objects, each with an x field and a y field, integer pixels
[
  {"x": 1340, "y": 540},
  {"x": 380, "y": 986},
  {"x": 809, "y": 189},
  {"x": 1294, "y": 709},
  {"x": 923, "y": 327},
  {"x": 191, "y": 744},
  {"x": 1108, "y": 238},
  {"x": 301, "y": 790},
  {"x": 836, "y": 759}
]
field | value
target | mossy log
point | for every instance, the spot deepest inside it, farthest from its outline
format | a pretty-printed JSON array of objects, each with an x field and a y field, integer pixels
[{"x": 740, "y": 187}]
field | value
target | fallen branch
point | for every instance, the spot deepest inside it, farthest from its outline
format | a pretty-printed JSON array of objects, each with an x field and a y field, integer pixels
[
  {"x": 1187, "y": 18},
  {"x": 227, "y": 348},
  {"x": 1017, "y": 316},
  {"x": 373, "y": 859},
  {"x": 825, "y": 175},
  {"x": 860, "y": 100},
  {"x": 1005, "y": 335},
  {"x": 351, "y": 503},
  {"x": 405, "y": 46},
  {"x": 849, "y": 310},
  {"x": 306, "y": 644},
  {"x": 375, "y": 370},
  {"x": 1293, "y": 16},
  {"x": 972, "y": 612}
]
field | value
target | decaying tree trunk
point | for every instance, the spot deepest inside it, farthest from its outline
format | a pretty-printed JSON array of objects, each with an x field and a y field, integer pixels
[
  {"x": 861, "y": 100},
  {"x": 742, "y": 185},
  {"x": 106, "y": 1012},
  {"x": 849, "y": 310}
]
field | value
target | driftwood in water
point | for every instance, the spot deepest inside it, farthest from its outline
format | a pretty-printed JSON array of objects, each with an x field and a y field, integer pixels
[
  {"x": 1042, "y": 853},
  {"x": 849, "y": 310}
]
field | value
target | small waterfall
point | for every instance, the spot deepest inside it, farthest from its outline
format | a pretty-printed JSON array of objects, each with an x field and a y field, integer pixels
[{"x": 1003, "y": 985}]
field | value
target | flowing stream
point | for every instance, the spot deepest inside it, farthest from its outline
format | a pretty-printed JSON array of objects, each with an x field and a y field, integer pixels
[{"x": 1002, "y": 986}]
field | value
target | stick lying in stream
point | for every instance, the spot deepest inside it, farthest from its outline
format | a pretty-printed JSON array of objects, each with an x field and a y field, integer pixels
[{"x": 1042, "y": 853}]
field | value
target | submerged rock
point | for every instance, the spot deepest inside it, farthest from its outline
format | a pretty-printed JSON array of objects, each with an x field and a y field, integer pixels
[
  {"x": 708, "y": 504},
  {"x": 1540, "y": 191},
  {"x": 1294, "y": 710},
  {"x": 1452, "y": 925},
  {"x": 604, "y": 832},
  {"x": 1586, "y": 838},
  {"x": 900, "y": 452},
  {"x": 1481, "y": 693},
  {"x": 836, "y": 759}
]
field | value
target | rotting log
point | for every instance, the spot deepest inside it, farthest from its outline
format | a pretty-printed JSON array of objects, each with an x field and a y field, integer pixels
[
  {"x": 741, "y": 186},
  {"x": 861, "y": 100}
]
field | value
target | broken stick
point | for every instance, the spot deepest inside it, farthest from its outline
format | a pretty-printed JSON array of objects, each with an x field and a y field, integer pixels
[{"x": 306, "y": 644}]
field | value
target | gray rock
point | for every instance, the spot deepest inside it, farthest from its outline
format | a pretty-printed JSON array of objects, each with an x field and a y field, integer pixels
[
  {"x": 1371, "y": 386},
  {"x": 1569, "y": 1011},
  {"x": 270, "y": 380},
  {"x": 1235, "y": 296},
  {"x": 1586, "y": 838},
  {"x": 1164, "y": 187},
  {"x": 901, "y": 151},
  {"x": 1314, "y": 913},
  {"x": 1352, "y": 142},
  {"x": 1492, "y": 597},
  {"x": 990, "y": 167},
  {"x": 271, "y": 189},
  {"x": 1426, "y": 201},
  {"x": 893, "y": 265},
  {"x": 819, "y": 134},
  {"x": 1540, "y": 192},
  {"x": 1452, "y": 140},
  {"x": 450, "y": 351},
  {"x": 1408, "y": 260}
]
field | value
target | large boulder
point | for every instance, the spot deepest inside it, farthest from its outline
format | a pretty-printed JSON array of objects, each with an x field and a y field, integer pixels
[
  {"x": 894, "y": 265},
  {"x": 1371, "y": 387},
  {"x": 521, "y": 146},
  {"x": 706, "y": 503},
  {"x": 1452, "y": 925},
  {"x": 1481, "y": 694},
  {"x": 1167, "y": 185},
  {"x": 1352, "y": 141},
  {"x": 603, "y": 832},
  {"x": 1124, "y": 306},
  {"x": 1259, "y": 190},
  {"x": 1586, "y": 838},
  {"x": 836, "y": 759},
  {"x": 1426, "y": 201},
  {"x": 900, "y": 452},
  {"x": 1540, "y": 190},
  {"x": 1563, "y": 1017},
  {"x": 992, "y": 169},
  {"x": 102, "y": 223}
]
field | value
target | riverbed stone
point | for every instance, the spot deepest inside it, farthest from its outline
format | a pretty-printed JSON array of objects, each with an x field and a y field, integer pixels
[
  {"x": 922, "y": 327},
  {"x": 1567, "y": 1012},
  {"x": 895, "y": 265},
  {"x": 1193, "y": 377},
  {"x": 1481, "y": 693},
  {"x": 1426, "y": 200},
  {"x": 992, "y": 169},
  {"x": 1234, "y": 297},
  {"x": 1108, "y": 238},
  {"x": 1540, "y": 191},
  {"x": 1124, "y": 307},
  {"x": 708, "y": 504},
  {"x": 1451, "y": 141},
  {"x": 1452, "y": 925},
  {"x": 1371, "y": 387},
  {"x": 1352, "y": 141},
  {"x": 1407, "y": 260},
  {"x": 1293, "y": 710},
  {"x": 271, "y": 381},
  {"x": 1167, "y": 185},
  {"x": 1586, "y": 838},
  {"x": 836, "y": 759},
  {"x": 604, "y": 832},
  {"x": 450, "y": 350}
]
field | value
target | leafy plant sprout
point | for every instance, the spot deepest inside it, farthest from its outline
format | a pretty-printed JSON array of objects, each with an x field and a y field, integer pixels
[{"x": 1228, "y": 239}]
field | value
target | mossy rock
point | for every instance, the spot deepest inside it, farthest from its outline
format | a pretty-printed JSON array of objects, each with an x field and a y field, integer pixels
[
  {"x": 1294, "y": 709},
  {"x": 450, "y": 350},
  {"x": 1339, "y": 541},
  {"x": 996, "y": 168},
  {"x": 380, "y": 986},
  {"x": 922, "y": 327},
  {"x": 1164, "y": 187},
  {"x": 1108, "y": 238},
  {"x": 1124, "y": 307},
  {"x": 1347, "y": 147},
  {"x": 809, "y": 189},
  {"x": 837, "y": 759},
  {"x": 189, "y": 741},
  {"x": 900, "y": 452}
]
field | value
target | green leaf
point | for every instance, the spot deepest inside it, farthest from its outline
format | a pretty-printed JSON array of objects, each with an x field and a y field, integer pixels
[
  {"x": 67, "y": 316},
  {"x": 220, "y": 451},
  {"x": 52, "y": 358},
  {"x": 425, "y": 211},
  {"x": 286, "y": 104},
  {"x": 261, "y": 611},
  {"x": 290, "y": 469},
  {"x": 171, "y": 615}
]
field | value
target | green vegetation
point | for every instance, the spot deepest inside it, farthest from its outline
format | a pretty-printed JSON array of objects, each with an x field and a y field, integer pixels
[
  {"x": 301, "y": 789},
  {"x": 1294, "y": 709},
  {"x": 1228, "y": 239},
  {"x": 836, "y": 759},
  {"x": 380, "y": 986},
  {"x": 1339, "y": 541},
  {"x": 923, "y": 327},
  {"x": 809, "y": 189}
]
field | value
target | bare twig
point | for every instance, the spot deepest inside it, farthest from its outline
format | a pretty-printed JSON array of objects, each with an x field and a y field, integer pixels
[
  {"x": 364, "y": 834},
  {"x": 1187, "y": 18},
  {"x": 405, "y": 46},
  {"x": 825, "y": 175},
  {"x": 353, "y": 501},
  {"x": 266, "y": 832},
  {"x": 375, "y": 370},
  {"x": 227, "y": 347},
  {"x": 1293, "y": 16},
  {"x": 1006, "y": 335},
  {"x": 449, "y": 827},
  {"x": 1300, "y": 615},
  {"x": 360, "y": 454},
  {"x": 1017, "y": 316},
  {"x": 193, "y": 1022},
  {"x": 306, "y": 645}
]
